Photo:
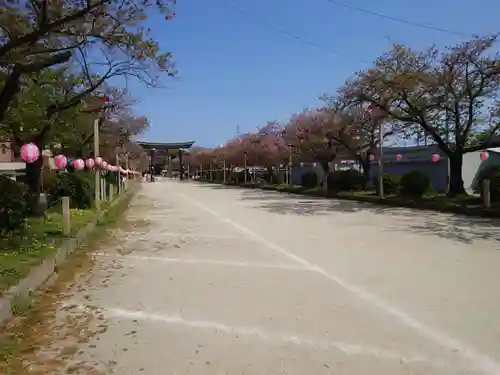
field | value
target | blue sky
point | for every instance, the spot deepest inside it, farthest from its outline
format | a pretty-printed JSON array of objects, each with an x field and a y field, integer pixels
[{"x": 235, "y": 70}]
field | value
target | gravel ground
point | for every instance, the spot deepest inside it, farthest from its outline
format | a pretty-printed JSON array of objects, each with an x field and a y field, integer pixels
[{"x": 204, "y": 279}]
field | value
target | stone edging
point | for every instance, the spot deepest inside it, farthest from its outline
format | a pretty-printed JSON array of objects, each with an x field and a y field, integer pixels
[{"x": 41, "y": 273}]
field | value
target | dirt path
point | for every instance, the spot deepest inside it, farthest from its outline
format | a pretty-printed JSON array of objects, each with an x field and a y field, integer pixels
[{"x": 208, "y": 280}]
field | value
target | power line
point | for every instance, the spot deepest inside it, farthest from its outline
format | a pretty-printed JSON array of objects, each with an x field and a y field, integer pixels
[
  {"x": 292, "y": 35},
  {"x": 395, "y": 19}
]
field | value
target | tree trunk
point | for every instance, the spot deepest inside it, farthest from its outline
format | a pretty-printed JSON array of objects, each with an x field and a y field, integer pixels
[
  {"x": 326, "y": 172},
  {"x": 9, "y": 91},
  {"x": 33, "y": 180},
  {"x": 456, "y": 180},
  {"x": 11, "y": 85},
  {"x": 270, "y": 175},
  {"x": 366, "y": 166}
]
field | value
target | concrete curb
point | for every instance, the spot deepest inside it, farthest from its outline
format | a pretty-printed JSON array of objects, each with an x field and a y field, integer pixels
[{"x": 43, "y": 272}]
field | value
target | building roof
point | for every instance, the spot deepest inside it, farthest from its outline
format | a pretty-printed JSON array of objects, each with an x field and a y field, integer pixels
[
  {"x": 165, "y": 146},
  {"x": 494, "y": 149}
]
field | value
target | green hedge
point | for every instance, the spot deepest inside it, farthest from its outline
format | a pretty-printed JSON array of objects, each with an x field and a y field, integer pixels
[
  {"x": 78, "y": 186},
  {"x": 309, "y": 180},
  {"x": 14, "y": 205},
  {"x": 350, "y": 180},
  {"x": 493, "y": 174},
  {"x": 237, "y": 177},
  {"x": 391, "y": 182},
  {"x": 415, "y": 184}
]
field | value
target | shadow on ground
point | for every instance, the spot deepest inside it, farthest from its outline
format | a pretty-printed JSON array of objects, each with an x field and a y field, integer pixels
[
  {"x": 450, "y": 226},
  {"x": 216, "y": 186}
]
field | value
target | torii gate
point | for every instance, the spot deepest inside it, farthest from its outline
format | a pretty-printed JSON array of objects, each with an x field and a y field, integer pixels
[{"x": 172, "y": 150}]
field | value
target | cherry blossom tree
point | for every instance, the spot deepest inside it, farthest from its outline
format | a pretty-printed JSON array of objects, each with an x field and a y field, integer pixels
[
  {"x": 446, "y": 94},
  {"x": 310, "y": 134}
]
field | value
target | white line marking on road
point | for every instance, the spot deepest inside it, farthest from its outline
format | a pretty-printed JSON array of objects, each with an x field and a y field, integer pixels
[
  {"x": 276, "y": 338},
  {"x": 204, "y": 262},
  {"x": 197, "y": 236},
  {"x": 482, "y": 361}
]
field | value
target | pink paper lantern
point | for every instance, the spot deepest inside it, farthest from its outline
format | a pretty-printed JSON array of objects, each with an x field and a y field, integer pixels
[
  {"x": 79, "y": 164},
  {"x": 104, "y": 165},
  {"x": 371, "y": 157},
  {"x": 399, "y": 157},
  {"x": 89, "y": 163},
  {"x": 30, "y": 152},
  {"x": 436, "y": 158},
  {"x": 61, "y": 161},
  {"x": 98, "y": 161},
  {"x": 484, "y": 155}
]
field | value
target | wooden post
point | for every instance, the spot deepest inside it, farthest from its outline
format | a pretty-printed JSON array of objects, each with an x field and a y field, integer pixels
[
  {"x": 111, "y": 191},
  {"x": 66, "y": 216},
  {"x": 486, "y": 193},
  {"x": 104, "y": 189}
]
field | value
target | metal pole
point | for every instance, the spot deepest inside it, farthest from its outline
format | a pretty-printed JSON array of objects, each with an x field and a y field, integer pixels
[
  {"x": 447, "y": 130},
  {"x": 246, "y": 162},
  {"x": 119, "y": 182},
  {"x": 224, "y": 166},
  {"x": 97, "y": 187},
  {"x": 381, "y": 160},
  {"x": 126, "y": 167},
  {"x": 290, "y": 165}
]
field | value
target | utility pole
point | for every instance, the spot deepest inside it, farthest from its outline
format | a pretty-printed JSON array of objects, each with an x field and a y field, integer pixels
[
  {"x": 447, "y": 134},
  {"x": 224, "y": 166},
  {"x": 380, "y": 122},
  {"x": 97, "y": 187},
  {"x": 119, "y": 182},
  {"x": 381, "y": 159},
  {"x": 246, "y": 162},
  {"x": 104, "y": 101}
]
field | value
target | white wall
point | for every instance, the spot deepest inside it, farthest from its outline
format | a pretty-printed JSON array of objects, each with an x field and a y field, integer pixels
[{"x": 470, "y": 167}]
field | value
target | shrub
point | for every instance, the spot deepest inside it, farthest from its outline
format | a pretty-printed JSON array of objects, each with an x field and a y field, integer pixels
[
  {"x": 236, "y": 177},
  {"x": 493, "y": 174},
  {"x": 78, "y": 186},
  {"x": 391, "y": 182},
  {"x": 270, "y": 176},
  {"x": 49, "y": 178},
  {"x": 415, "y": 184},
  {"x": 350, "y": 180},
  {"x": 14, "y": 204},
  {"x": 309, "y": 180}
]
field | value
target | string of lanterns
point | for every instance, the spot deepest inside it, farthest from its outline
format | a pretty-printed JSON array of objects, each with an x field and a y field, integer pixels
[
  {"x": 484, "y": 155},
  {"x": 30, "y": 153}
]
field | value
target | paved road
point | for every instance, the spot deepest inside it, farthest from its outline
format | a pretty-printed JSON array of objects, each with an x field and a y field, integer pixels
[{"x": 211, "y": 280}]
